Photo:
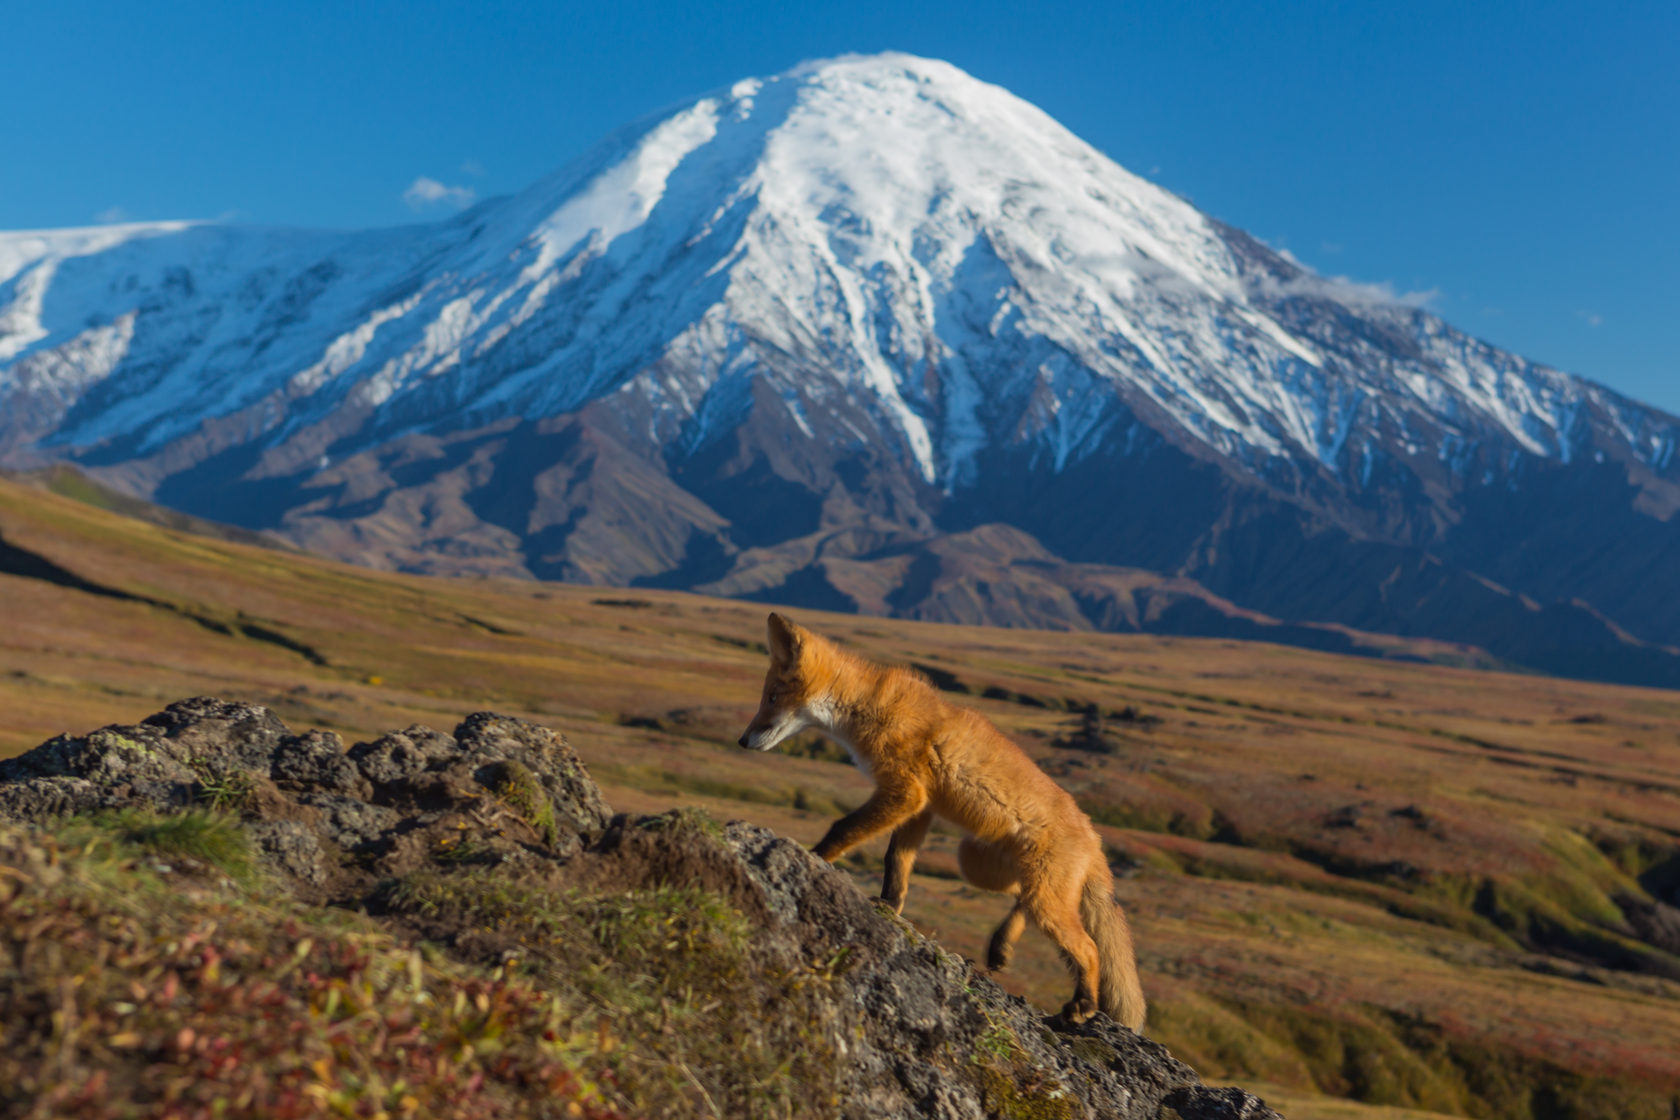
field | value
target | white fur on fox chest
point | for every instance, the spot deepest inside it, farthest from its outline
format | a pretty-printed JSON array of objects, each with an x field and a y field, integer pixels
[{"x": 825, "y": 719}]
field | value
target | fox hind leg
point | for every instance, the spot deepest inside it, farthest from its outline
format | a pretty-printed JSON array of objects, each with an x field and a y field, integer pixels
[
  {"x": 1001, "y": 949},
  {"x": 1059, "y": 918},
  {"x": 993, "y": 868}
]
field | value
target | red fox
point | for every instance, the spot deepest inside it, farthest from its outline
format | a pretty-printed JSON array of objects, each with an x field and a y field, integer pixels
[{"x": 1027, "y": 836}]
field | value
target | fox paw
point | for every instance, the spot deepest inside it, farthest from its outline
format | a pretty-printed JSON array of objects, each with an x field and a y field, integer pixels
[
  {"x": 1079, "y": 1009},
  {"x": 997, "y": 960}
]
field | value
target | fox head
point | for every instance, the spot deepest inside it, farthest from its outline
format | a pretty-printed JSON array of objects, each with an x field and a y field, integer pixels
[{"x": 784, "y": 709}]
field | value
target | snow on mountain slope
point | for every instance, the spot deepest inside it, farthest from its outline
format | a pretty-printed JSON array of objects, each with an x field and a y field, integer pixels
[{"x": 887, "y": 231}]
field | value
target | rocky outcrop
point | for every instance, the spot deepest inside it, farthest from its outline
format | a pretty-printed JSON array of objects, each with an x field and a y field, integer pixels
[
  {"x": 912, "y": 1030},
  {"x": 329, "y": 819}
]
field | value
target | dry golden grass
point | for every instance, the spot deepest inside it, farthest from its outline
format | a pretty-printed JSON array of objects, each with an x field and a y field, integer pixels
[{"x": 1380, "y": 880}]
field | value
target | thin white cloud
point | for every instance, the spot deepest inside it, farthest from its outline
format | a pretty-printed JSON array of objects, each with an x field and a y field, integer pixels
[
  {"x": 474, "y": 168},
  {"x": 111, "y": 215},
  {"x": 425, "y": 193},
  {"x": 1307, "y": 283},
  {"x": 1357, "y": 293},
  {"x": 1591, "y": 318},
  {"x": 1343, "y": 290}
]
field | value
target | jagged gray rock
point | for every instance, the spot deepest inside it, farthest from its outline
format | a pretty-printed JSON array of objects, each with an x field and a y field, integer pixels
[{"x": 915, "y": 1004}]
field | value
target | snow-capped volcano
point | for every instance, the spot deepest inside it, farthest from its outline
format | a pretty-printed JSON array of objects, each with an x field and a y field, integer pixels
[{"x": 783, "y": 339}]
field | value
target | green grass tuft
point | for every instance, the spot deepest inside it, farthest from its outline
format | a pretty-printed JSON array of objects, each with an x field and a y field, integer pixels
[
  {"x": 520, "y": 791},
  {"x": 687, "y": 819},
  {"x": 233, "y": 792},
  {"x": 209, "y": 837}
]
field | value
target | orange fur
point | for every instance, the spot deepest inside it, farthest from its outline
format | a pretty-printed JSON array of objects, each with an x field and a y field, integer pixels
[{"x": 1027, "y": 836}]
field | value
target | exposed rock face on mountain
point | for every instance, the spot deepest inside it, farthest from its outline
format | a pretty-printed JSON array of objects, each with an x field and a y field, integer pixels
[
  {"x": 869, "y": 335},
  {"x": 477, "y": 841}
]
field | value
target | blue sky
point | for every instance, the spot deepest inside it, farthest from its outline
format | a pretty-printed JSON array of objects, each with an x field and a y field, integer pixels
[{"x": 1519, "y": 161}]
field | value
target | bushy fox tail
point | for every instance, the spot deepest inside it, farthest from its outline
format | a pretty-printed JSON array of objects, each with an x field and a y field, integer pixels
[{"x": 1118, "y": 992}]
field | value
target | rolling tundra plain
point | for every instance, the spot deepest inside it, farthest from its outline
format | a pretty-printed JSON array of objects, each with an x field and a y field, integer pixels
[{"x": 1360, "y": 886}]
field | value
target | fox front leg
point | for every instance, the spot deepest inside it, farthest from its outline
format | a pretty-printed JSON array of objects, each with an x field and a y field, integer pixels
[
  {"x": 901, "y": 855},
  {"x": 887, "y": 808}
]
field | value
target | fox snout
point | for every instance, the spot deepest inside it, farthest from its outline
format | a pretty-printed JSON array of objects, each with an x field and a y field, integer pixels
[
  {"x": 754, "y": 732},
  {"x": 764, "y": 733},
  {"x": 753, "y": 738}
]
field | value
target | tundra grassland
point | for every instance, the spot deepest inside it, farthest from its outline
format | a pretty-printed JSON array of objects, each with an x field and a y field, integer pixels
[{"x": 1371, "y": 887}]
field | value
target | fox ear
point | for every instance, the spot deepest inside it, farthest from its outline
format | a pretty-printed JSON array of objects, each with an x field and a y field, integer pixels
[{"x": 785, "y": 637}]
